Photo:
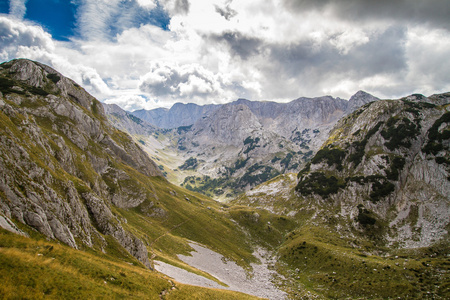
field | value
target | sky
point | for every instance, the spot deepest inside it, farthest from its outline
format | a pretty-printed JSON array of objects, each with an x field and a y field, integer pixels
[{"x": 144, "y": 54}]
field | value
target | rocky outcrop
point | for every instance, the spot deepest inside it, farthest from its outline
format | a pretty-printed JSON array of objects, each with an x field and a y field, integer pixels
[
  {"x": 62, "y": 166},
  {"x": 387, "y": 166}
]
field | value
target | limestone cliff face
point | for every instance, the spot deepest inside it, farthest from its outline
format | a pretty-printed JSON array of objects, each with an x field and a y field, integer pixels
[
  {"x": 62, "y": 166},
  {"x": 387, "y": 165},
  {"x": 229, "y": 125}
]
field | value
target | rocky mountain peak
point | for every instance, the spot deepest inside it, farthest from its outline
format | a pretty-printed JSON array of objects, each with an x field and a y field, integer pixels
[
  {"x": 359, "y": 99},
  {"x": 44, "y": 77}
]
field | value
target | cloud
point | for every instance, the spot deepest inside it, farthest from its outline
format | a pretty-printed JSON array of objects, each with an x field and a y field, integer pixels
[
  {"x": 226, "y": 11},
  {"x": 101, "y": 20},
  {"x": 154, "y": 53},
  {"x": 317, "y": 68},
  {"x": 15, "y": 34},
  {"x": 96, "y": 19},
  {"x": 147, "y": 4},
  {"x": 177, "y": 7},
  {"x": 239, "y": 44},
  {"x": 131, "y": 102},
  {"x": 26, "y": 40},
  {"x": 432, "y": 12},
  {"x": 17, "y": 8},
  {"x": 171, "y": 82}
]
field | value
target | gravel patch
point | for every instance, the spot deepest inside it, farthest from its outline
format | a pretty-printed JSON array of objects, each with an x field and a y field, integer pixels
[
  {"x": 259, "y": 283},
  {"x": 184, "y": 276}
]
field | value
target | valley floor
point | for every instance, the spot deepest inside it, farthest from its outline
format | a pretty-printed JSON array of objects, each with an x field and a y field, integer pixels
[{"x": 257, "y": 283}]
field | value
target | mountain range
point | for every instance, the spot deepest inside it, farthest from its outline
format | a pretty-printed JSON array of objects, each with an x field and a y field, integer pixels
[
  {"x": 230, "y": 148},
  {"x": 340, "y": 199}
]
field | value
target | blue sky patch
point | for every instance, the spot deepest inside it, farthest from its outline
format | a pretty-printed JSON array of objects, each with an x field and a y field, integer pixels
[
  {"x": 4, "y": 7},
  {"x": 159, "y": 17},
  {"x": 57, "y": 16}
]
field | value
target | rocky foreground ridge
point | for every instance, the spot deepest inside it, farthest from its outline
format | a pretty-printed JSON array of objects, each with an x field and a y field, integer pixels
[{"x": 62, "y": 166}]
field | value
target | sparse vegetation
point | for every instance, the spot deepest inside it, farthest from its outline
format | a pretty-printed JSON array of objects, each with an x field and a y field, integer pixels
[
  {"x": 333, "y": 156},
  {"x": 251, "y": 144},
  {"x": 190, "y": 164},
  {"x": 322, "y": 250},
  {"x": 359, "y": 146},
  {"x": 318, "y": 183},
  {"x": 399, "y": 132},
  {"x": 54, "y": 77}
]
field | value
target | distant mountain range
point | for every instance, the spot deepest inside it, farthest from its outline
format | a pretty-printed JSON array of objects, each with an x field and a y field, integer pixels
[
  {"x": 319, "y": 109},
  {"x": 229, "y": 148}
]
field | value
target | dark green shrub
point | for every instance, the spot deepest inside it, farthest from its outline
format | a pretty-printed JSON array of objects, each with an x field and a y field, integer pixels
[
  {"x": 305, "y": 170},
  {"x": 183, "y": 129},
  {"x": 134, "y": 119},
  {"x": 275, "y": 159},
  {"x": 397, "y": 165},
  {"x": 359, "y": 146},
  {"x": 318, "y": 183},
  {"x": 381, "y": 188},
  {"x": 253, "y": 179},
  {"x": 400, "y": 135},
  {"x": 442, "y": 160},
  {"x": 240, "y": 163},
  {"x": 190, "y": 164},
  {"x": 435, "y": 138},
  {"x": 287, "y": 160},
  {"x": 252, "y": 144},
  {"x": 330, "y": 156},
  {"x": 54, "y": 77},
  {"x": 365, "y": 219}
]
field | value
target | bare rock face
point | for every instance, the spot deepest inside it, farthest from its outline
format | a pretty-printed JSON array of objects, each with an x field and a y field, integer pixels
[
  {"x": 387, "y": 165},
  {"x": 229, "y": 125},
  {"x": 62, "y": 166}
]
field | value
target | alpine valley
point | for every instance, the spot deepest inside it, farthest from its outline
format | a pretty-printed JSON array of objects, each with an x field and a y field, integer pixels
[{"x": 318, "y": 198}]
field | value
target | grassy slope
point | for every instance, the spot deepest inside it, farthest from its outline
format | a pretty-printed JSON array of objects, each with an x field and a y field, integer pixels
[
  {"x": 166, "y": 221},
  {"x": 320, "y": 262},
  {"x": 33, "y": 268}
]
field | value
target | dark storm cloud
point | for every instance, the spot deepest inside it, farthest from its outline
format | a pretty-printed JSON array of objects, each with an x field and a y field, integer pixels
[
  {"x": 317, "y": 66},
  {"x": 239, "y": 44},
  {"x": 433, "y": 12},
  {"x": 383, "y": 53}
]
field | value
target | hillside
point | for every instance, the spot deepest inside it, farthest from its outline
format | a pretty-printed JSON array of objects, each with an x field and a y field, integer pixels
[
  {"x": 70, "y": 179},
  {"x": 388, "y": 162},
  {"x": 372, "y": 206}
]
